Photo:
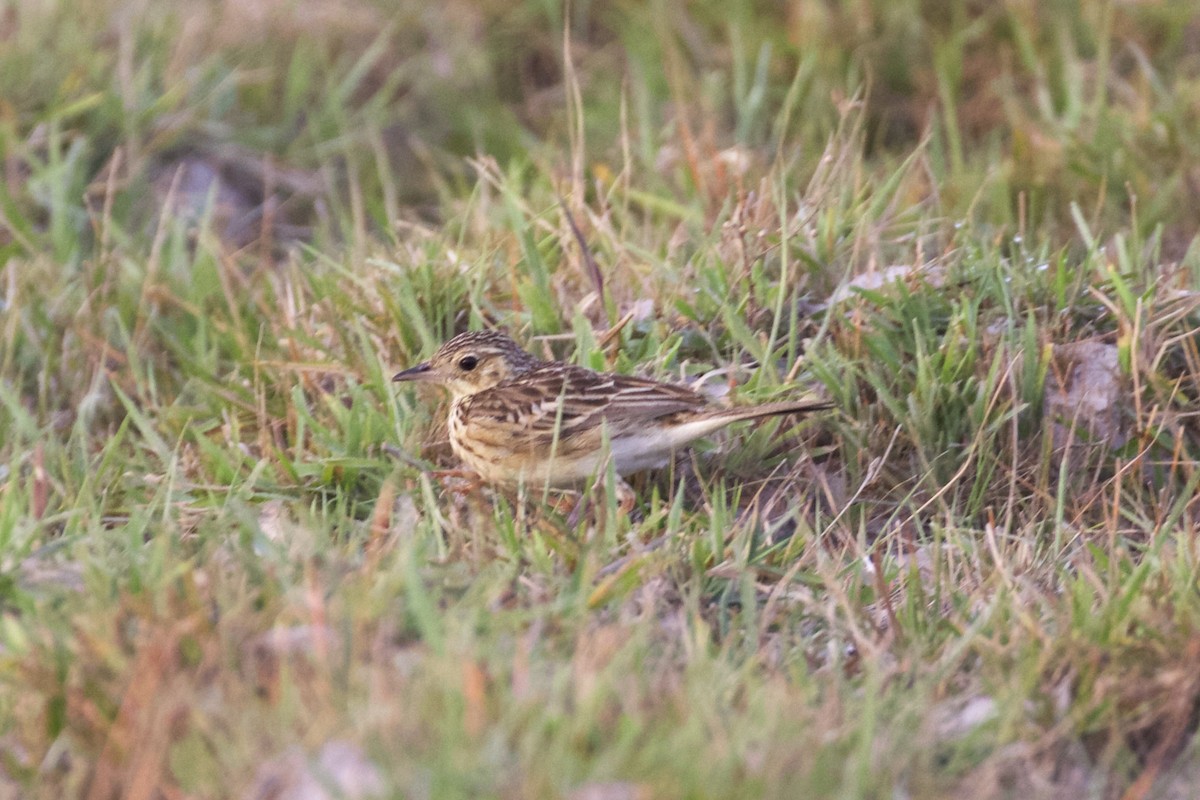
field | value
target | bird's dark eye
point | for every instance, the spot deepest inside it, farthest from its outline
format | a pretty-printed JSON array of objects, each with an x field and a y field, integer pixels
[{"x": 468, "y": 362}]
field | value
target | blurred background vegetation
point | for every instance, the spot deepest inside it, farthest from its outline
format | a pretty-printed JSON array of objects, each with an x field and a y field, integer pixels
[{"x": 1018, "y": 108}]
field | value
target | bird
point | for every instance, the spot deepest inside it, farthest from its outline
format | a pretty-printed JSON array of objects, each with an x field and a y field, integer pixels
[{"x": 518, "y": 419}]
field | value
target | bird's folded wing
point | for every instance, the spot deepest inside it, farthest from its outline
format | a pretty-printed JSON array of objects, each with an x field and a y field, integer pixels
[{"x": 563, "y": 403}]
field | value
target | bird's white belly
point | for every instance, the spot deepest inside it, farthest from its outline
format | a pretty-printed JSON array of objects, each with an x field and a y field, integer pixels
[
  {"x": 559, "y": 471},
  {"x": 631, "y": 452}
]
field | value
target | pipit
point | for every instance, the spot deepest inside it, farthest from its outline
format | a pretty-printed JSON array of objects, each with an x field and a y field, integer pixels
[{"x": 518, "y": 419}]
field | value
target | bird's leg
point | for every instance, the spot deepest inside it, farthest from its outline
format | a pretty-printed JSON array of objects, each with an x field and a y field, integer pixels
[
  {"x": 563, "y": 503},
  {"x": 577, "y": 507},
  {"x": 458, "y": 481},
  {"x": 626, "y": 496}
]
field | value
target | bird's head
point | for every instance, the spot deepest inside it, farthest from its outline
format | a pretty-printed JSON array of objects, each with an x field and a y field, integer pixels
[{"x": 472, "y": 362}]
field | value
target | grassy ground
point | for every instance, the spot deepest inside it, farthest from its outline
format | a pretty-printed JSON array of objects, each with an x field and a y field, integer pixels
[{"x": 225, "y": 568}]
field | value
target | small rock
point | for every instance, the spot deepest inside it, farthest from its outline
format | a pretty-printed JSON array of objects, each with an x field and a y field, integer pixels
[
  {"x": 340, "y": 770},
  {"x": 1083, "y": 391},
  {"x": 610, "y": 790}
]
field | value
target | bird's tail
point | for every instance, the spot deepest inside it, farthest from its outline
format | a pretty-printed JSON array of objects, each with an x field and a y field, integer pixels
[{"x": 774, "y": 409}]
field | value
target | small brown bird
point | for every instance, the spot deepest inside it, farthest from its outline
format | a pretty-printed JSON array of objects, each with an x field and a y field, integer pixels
[{"x": 516, "y": 418}]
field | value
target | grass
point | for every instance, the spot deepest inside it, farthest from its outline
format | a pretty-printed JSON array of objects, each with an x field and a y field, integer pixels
[{"x": 225, "y": 567}]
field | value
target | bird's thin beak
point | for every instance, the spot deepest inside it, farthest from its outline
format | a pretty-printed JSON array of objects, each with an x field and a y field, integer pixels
[{"x": 421, "y": 372}]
